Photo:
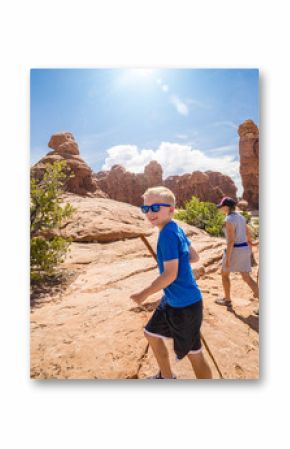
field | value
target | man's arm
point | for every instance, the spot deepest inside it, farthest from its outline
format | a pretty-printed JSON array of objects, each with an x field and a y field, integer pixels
[{"x": 166, "y": 278}]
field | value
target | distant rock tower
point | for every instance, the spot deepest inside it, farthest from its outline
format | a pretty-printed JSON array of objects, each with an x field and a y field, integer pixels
[
  {"x": 249, "y": 162},
  {"x": 153, "y": 174},
  {"x": 65, "y": 147},
  {"x": 122, "y": 185}
]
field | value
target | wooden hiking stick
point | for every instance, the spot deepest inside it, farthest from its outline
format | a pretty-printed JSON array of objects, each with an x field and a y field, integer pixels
[
  {"x": 211, "y": 355},
  {"x": 147, "y": 244}
]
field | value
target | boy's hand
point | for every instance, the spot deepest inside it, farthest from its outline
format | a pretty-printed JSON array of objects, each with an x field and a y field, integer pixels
[{"x": 139, "y": 297}]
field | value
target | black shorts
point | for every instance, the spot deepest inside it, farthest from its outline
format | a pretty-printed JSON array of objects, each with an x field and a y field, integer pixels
[{"x": 182, "y": 324}]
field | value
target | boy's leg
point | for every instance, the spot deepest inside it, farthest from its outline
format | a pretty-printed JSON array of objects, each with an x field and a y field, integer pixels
[
  {"x": 251, "y": 283},
  {"x": 199, "y": 365},
  {"x": 161, "y": 354}
]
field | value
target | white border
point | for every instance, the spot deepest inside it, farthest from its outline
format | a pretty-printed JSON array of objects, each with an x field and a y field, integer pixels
[{"x": 145, "y": 34}]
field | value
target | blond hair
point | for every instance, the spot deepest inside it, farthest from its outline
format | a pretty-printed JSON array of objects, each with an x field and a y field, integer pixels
[{"x": 164, "y": 193}]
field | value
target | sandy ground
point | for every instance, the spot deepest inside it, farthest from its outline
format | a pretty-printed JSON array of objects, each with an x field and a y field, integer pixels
[{"x": 92, "y": 330}]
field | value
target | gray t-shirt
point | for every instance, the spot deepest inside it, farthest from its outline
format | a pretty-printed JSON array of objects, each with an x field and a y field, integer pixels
[{"x": 240, "y": 224}]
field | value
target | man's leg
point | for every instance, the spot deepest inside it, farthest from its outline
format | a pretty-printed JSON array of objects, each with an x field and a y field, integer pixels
[
  {"x": 226, "y": 285},
  {"x": 161, "y": 354},
  {"x": 251, "y": 283},
  {"x": 199, "y": 365}
]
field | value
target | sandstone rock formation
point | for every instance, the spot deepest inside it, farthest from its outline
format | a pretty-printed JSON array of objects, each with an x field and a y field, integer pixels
[
  {"x": 64, "y": 143},
  {"x": 128, "y": 187},
  {"x": 122, "y": 185},
  {"x": 249, "y": 162},
  {"x": 93, "y": 330},
  {"x": 208, "y": 186},
  {"x": 223, "y": 183},
  {"x": 102, "y": 220},
  {"x": 153, "y": 173},
  {"x": 66, "y": 148}
]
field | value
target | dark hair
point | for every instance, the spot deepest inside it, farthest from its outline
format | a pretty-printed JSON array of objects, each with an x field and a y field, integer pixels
[
  {"x": 229, "y": 202},
  {"x": 232, "y": 209}
]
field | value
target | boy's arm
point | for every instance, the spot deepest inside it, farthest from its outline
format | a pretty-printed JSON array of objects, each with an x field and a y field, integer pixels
[
  {"x": 166, "y": 278},
  {"x": 194, "y": 257}
]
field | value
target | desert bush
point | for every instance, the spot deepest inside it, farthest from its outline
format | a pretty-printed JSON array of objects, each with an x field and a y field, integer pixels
[
  {"x": 254, "y": 224},
  {"x": 203, "y": 215},
  {"x": 46, "y": 213},
  {"x": 247, "y": 215}
]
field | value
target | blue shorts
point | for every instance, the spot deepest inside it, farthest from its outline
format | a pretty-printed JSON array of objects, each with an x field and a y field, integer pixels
[{"x": 180, "y": 323}]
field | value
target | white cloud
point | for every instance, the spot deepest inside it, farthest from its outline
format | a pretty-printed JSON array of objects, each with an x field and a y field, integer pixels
[
  {"x": 175, "y": 159},
  {"x": 180, "y": 106},
  {"x": 129, "y": 156}
]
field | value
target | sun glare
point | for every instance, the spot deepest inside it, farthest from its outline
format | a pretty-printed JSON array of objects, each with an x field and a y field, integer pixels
[
  {"x": 143, "y": 73},
  {"x": 137, "y": 75}
]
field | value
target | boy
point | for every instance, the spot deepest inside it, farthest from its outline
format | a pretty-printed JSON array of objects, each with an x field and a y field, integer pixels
[{"x": 179, "y": 314}]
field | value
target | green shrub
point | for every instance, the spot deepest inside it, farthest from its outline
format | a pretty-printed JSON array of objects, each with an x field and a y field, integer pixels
[
  {"x": 254, "y": 224},
  {"x": 247, "y": 215},
  {"x": 46, "y": 213},
  {"x": 203, "y": 215},
  {"x": 45, "y": 254}
]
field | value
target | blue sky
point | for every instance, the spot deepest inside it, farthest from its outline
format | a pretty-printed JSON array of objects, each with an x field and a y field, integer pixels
[{"x": 187, "y": 119}]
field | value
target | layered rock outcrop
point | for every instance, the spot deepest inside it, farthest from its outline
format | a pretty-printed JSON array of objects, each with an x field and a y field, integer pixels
[
  {"x": 249, "y": 162},
  {"x": 223, "y": 183},
  {"x": 128, "y": 187},
  {"x": 66, "y": 148},
  {"x": 207, "y": 186},
  {"x": 122, "y": 185},
  {"x": 93, "y": 330},
  {"x": 102, "y": 220}
]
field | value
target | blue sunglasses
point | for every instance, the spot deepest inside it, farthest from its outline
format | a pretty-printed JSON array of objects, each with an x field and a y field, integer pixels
[{"x": 154, "y": 207}]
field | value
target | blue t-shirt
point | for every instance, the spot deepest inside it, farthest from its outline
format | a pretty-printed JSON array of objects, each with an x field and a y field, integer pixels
[{"x": 173, "y": 244}]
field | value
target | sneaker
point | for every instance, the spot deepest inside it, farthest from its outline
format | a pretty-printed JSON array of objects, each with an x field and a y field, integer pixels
[{"x": 223, "y": 302}]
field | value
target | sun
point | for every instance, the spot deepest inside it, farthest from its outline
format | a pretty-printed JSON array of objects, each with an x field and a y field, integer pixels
[
  {"x": 142, "y": 73},
  {"x": 138, "y": 76}
]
